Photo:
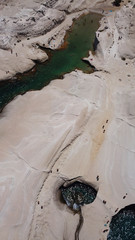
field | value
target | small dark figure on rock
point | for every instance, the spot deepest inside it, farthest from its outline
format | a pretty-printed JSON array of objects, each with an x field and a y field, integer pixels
[{"x": 97, "y": 178}]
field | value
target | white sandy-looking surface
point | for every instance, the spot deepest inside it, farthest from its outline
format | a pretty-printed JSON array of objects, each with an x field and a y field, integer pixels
[
  {"x": 57, "y": 134},
  {"x": 37, "y": 130}
]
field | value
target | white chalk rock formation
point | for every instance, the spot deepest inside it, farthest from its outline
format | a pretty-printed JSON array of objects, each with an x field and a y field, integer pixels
[
  {"x": 23, "y": 28},
  {"x": 116, "y": 38},
  {"x": 80, "y": 127}
]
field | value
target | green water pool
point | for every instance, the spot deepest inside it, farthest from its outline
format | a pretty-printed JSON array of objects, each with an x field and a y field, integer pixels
[
  {"x": 80, "y": 40},
  {"x": 78, "y": 194},
  {"x": 122, "y": 226}
]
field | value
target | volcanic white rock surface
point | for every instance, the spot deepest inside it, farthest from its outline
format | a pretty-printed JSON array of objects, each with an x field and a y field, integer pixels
[{"x": 82, "y": 126}]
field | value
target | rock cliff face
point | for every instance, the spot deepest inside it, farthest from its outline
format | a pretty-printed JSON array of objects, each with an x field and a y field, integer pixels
[
  {"x": 119, "y": 31},
  {"x": 81, "y": 127},
  {"x": 35, "y": 18},
  {"x": 28, "y": 23}
]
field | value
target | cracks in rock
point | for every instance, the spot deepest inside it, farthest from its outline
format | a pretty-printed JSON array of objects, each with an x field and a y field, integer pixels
[
  {"x": 50, "y": 4},
  {"x": 80, "y": 224},
  {"x": 76, "y": 194},
  {"x": 46, "y": 177},
  {"x": 123, "y": 120},
  {"x": 80, "y": 98},
  {"x": 105, "y": 71},
  {"x": 66, "y": 92},
  {"x": 97, "y": 76},
  {"x": 35, "y": 206},
  {"x": 77, "y": 210},
  {"x": 33, "y": 168},
  {"x": 83, "y": 99},
  {"x": 69, "y": 181},
  {"x": 59, "y": 148},
  {"x": 70, "y": 143},
  {"x": 64, "y": 114},
  {"x": 116, "y": 143},
  {"x": 71, "y": 94}
]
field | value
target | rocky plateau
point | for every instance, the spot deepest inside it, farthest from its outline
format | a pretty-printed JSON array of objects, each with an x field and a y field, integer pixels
[{"x": 81, "y": 127}]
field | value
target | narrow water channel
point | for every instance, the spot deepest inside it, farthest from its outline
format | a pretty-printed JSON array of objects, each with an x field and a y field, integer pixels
[{"x": 79, "y": 39}]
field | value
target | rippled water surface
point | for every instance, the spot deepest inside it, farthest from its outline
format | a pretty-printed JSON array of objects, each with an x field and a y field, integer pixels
[{"x": 80, "y": 40}]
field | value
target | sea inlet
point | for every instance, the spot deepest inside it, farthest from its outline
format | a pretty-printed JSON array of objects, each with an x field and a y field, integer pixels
[{"x": 79, "y": 39}]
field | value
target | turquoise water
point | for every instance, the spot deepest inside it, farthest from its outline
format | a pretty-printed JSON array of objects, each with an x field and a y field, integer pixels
[
  {"x": 122, "y": 226},
  {"x": 80, "y": 40}
]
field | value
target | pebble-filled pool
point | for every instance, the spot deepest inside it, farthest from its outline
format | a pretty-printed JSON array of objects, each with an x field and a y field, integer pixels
[
  {"x": 77, "y": 194},
  {"x": 122, "y": 226}
]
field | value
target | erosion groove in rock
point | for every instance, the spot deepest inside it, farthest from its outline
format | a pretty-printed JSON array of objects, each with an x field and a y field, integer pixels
[
  {"x": 45, "y": 179},
  {"x": 43, "y": 182},
  {"x": 37, "y": 151},
  {"x": 75, "y": 195},
  {"x": 79, "y": 226}
]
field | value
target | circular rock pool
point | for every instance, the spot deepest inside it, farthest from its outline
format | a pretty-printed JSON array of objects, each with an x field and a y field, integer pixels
[
  {"x": 77, "y": 194},
  {"x": 122, "y": 226}
]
